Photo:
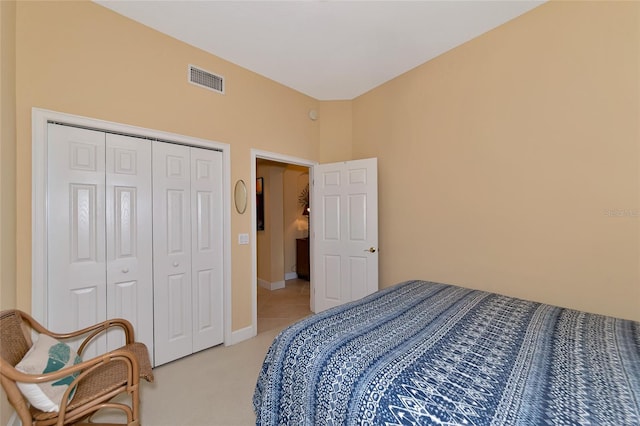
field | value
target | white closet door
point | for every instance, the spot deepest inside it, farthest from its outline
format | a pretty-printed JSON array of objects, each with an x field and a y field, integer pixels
[
  {"x": 129, "y": 237},
  {"x": 76, "y": 225},
  {"x": 172, "y": 251},
  {"x": 206, "y": 247}
]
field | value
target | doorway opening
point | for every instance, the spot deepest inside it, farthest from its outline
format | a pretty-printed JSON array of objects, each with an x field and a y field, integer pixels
[{"x": 282, "y": 288}]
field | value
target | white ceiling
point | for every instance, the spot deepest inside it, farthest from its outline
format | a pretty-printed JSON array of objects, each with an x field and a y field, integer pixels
[{"x": 329, "y": 50}]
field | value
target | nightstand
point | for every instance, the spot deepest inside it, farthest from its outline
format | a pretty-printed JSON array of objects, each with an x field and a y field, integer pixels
[{"x": 302, "y": 258}]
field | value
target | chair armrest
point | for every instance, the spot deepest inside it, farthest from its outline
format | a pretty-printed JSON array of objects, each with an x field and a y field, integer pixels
[
  {"x": 92, "y": 331},
  {"x": 102, "y": 327},
  {"x": 85, "y": 366}
]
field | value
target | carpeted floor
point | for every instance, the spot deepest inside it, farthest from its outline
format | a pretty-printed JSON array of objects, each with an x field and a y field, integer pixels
[{"x": 215, "y": 387}]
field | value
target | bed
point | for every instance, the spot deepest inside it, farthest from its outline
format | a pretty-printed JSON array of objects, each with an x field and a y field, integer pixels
[{"x": 422, "y": 353}]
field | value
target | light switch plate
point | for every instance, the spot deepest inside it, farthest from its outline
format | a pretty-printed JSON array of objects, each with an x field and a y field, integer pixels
[{"x": 243, "y": 239}]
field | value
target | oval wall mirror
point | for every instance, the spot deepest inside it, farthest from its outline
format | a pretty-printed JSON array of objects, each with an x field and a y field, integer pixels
[{"x": 240, "y": 195}]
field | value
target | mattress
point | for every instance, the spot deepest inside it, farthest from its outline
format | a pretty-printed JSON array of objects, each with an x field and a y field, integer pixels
[{"x": 423, "y": 353}]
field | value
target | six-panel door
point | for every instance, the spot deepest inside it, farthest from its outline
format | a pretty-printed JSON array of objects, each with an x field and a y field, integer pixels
[
  {"x": 129, "y": 236},
  {"x": 172, "y": 251},
  {"x": 187, "y": 217},
  {"x": 206, "y": 248},
  {"x": 344, "y": 215},
  {"x": 76, "y": 245}
]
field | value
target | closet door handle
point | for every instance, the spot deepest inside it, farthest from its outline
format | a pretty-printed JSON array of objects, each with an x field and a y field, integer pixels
[
  {"x": 176, "y": 264},
  {"x": 125, "y": 270}
]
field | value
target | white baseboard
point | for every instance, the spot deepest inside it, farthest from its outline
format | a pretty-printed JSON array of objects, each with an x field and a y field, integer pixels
[
  {"x": 241, "y": 335},
  {"x": 290, "y": 276},
  {"x": 277, "y": 285},
  {"x": 264, "y": 284},
  {"x": 271, "y": 286}
]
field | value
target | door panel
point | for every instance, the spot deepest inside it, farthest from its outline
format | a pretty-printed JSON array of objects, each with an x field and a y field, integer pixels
[
  {"x": 331, "y": 215},
  {"x": 172, "y": 252},
  {"x": 83, "y": 217},
  {"x": 358, "y": 217},
  {"x": 177, "y": 235},
  {"x": 123, "y": 303},
  {"x": 204, "y": 204},
  {"x": 125, "y": 298},
  {"x": 345, "y": 232},
  {"x": 206, "y": 247},
  {"x": 333, "y": 274},
  {"x": 76, "y": 222},
  {"x": 358, "y": 267},
  {"x": 179, "y": 289},
  {"x": 125, "y": 223},
  {"x": 129, "y": 237}
]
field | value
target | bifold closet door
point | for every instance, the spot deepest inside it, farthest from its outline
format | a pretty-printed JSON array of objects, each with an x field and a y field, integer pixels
[
  {"x": 172, "y": 251},
  {"x": 206, "y": 248},
  {"x": 129, "y": 237},
  {"x": 99, "y": 233},
  {"x": 76, "y": 260},
  {"x": 187, "y": 216}
]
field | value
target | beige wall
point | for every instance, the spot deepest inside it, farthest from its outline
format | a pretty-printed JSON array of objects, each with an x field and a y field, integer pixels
[
  {"x": 335, "y": 124},
  {"x": 80, "y": 58},
  {"x": 7, "y": 170},
  {"x": 271, "y": 240},
  {"x": 511, "y": 163},
  {"x": 7, "y": 155},
  {"x": 295, "y": 224}
]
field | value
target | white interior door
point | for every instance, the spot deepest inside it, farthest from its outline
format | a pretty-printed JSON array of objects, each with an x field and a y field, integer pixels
[
  {"x": 76, "y": 239},
  {"x": 206, "y": 248},
  {"x": 172, "y": 252},
  {"x": 344, "y": 227},
  {"x": 129, "y": 237}
]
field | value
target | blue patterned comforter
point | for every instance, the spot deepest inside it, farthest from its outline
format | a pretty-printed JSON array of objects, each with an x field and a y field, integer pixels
[{"x": 423, "y": 353}]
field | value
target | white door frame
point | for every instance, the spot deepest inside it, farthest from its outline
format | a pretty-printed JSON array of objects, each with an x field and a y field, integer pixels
[
  {"x": 39, "y": 212},
  {"x": 281, "y": 158}
]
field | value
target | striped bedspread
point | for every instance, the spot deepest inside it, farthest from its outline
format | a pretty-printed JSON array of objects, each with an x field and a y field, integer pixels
[{"x": 423, "y": 353}]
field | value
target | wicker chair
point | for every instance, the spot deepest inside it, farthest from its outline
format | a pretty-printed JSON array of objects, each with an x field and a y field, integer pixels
[{"x": 99, "y": 381}]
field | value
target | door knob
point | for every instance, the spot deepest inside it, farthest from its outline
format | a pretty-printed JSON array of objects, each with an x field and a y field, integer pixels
[
  {"x": 371, "y": 250},
  {"x": 125, "y": 270},
  {"x": 176, "y": 264}
]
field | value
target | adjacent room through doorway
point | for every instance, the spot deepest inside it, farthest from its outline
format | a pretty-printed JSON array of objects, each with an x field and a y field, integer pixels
[{"x": 282, "y": 235}]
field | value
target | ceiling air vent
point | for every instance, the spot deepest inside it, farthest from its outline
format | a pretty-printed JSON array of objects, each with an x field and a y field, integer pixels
[{"x": 206, "y": 79}]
